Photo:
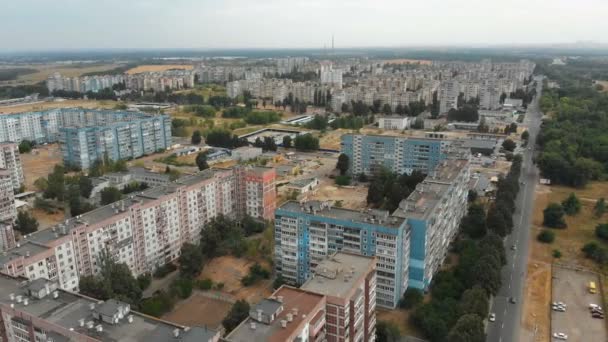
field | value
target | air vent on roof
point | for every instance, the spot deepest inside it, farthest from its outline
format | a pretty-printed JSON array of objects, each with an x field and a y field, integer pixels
[
  {"x": 81, "y": 322},
  {"x": 130, "y": 318},
  {"x": 284, "y": 323},
  {"x": 253, "y": 326}
]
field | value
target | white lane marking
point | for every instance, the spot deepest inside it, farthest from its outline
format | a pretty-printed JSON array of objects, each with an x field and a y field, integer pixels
[{"x": 502, "y": 326}]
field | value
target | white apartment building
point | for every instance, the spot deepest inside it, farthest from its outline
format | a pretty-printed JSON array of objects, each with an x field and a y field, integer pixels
[
  {"x": 448, "y": 96},
  {"x": 8, "y": 212},
  {"x": 144, "y": 231},
  {"x": 11, "y": 161}
]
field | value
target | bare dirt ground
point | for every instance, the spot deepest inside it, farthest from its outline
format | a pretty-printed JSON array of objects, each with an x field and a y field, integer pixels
[
  {"x": 401, "y": 318},
  {"x": 39, "y": 163},
  {"x": 58, "y": 104},
  {"x": 157, "y": 68},
  {"x": 569, "y": 241},
  {"x": 350, "y": 197},
  {"x": 46, "y": 220},
  {"x": 199, "y": 309},
  {"x": 230, "y": 270}
]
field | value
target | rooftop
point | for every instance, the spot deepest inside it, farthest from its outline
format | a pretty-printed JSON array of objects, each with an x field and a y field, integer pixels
[
  {"x": 73, "y": 313},
  {"x": 305, "y": 303},
  {"x": 337, "y": 275}
]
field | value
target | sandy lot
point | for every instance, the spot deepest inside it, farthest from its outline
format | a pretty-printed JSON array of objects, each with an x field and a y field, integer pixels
[
  {"x": 200, "y": 309},
  {"x": 537, "y": 293},
  {"x": 230, "y": 270},
  {"x": 39, "y": 163},
  {"x": 157, "y": 68},
  {"x": 570, "y": 287},
  {"x": 401, "y": 318},
  {"x": 58, "y": 104}
]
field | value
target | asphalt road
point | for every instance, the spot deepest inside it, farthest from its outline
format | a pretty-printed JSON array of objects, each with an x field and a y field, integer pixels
[{"x": 508, "y": 316}]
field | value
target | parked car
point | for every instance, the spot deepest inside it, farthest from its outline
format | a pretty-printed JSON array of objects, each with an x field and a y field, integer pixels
[
  {"x": 512, "y": 300},
  {"x": 560, "y": 336},
  {"x": 492, "y": 317}
]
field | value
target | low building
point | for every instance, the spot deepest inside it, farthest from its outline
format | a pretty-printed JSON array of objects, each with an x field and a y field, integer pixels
[
  {"x": 302, "y": 186},
  {"x": 394, "y": 122},
  {"x": 217, "y": 153},
  {"x": 246, "y": 153},
  {"x": 348, "y": 281},
  {"x": 289, "y": 315},
  {"x": 477, "y": 146},
  {"x": 39, "y": 311},
  {"x": 513, "y": 104},
  {"x": 120, "y": 180}
]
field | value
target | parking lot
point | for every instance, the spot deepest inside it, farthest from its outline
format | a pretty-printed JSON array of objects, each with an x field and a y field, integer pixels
[{"x": 571, "y": 287}]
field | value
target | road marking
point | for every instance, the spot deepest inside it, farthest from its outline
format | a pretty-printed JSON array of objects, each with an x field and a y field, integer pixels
[{"x": 502, "y": 326}]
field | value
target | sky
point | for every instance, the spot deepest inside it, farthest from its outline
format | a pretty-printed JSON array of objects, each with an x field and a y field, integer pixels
[{"x": 204, "y": 24}]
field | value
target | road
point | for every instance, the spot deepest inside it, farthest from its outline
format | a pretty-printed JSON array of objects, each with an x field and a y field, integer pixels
[{"x": 508, "y": 316}]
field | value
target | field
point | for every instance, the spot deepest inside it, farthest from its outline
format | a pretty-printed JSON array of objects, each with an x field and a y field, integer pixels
[
  {"x": 200, "y": 309},
  {"x": 39, "y": 163},
  {"x": 106, "y": 104},
  {"x": 45, "y": 70},
  {"x": 401, "y": 318},
  {"x": 157, "y": 68},
  {"x": 230, "y": 270},
  {"x": 569, "y": 241}
]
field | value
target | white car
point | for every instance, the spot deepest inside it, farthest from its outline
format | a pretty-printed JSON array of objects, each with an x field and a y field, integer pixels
[
  {"x": 492, "y": 317},
  {"x": 594, "y": 306},
  {"x": 560, "y": 336}
]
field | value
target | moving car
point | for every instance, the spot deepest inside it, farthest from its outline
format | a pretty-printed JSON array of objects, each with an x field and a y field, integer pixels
[
  {"x": 492, "y": 317},
  {"x": 560, "y": 336},
  {"x": 512, "y": 300}
]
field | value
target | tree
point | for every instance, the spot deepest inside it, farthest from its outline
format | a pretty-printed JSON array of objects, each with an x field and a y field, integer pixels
[
  {"x": 472, "y": 196},
  {"x": 25, "y": 146},
  {"x": 509, "y": 145},
  {"x": 600, "y": 207},
  {"x": 386, "y": 109},
  {"x": 85, "y": 185},
  {"x": 26, "y": 223},
  {"x": 487, "y": 270},
  {"x": 503, "y": 96},
  {"x": 474, "y": 223},
  {"x": 546, "y": 236},
  {"x": 571, "y": 205},
  {"x": 196, "y": 137},
  {"x": 286, "y": 141},
  {"x": 468, "y": 328},
  {"x": 190, "y": 260},
  {"x": 411, "y": 298},
  {"x": 553, "y": 216},
  {"x": 601, "y": 231},
  {"x": 238, "y": 312},
  {"x": 201, "y": 161},
  {"x": 525, "y": 135},
  {"x": 483, "y": 126},
  {"x": 342, "y": 164},
  {"x": 343, "y": 180},
  {"x": 56, "y": 184},
  {"x": 475, "y": 301},
  {"x": 387, "y": 331},
  {"x": 374, "y": 193},
  {"x": 110, "y": 194},
  {"x": 306, "y": 142}
]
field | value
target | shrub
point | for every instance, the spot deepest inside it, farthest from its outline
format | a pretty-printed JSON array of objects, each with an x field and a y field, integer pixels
[
  {"x": 546, "y": 236},
  {"x": 601, "y": 231},
  {"x": 411, "y": 298},
  {"x": 182, "y": 287},
  {"x": 343, "y": 180},
  {"x": 205, "y": 284},
  {"x": 557, "y": 254}
]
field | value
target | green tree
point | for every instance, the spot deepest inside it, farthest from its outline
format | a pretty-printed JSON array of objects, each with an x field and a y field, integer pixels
[
  {"x": 571, "y": 205},
  {"x": 238, "y": 312},
  {"x": 525, "y": 135},
  {"x": 110, "y": 194},
  {"x": 201, "y": 161},
  {"x": 25, "y": 146},
  {"x": 26, "y": 223},
  {"x": 56, "y": 184},
  {"x": 487, "y": 270},
  {"x": 411, "y": 298},
  {"x": 306, "y": 142},
  {"x": 85, "y": 186},
  {"x": 387, "y": 331},
  {"x": 509, "y": 145},
  {"x": 546, "y": 236},
  {"x": 196, "y": 137},
  {"x": 468, "y": 328},
  {"x": 475, "y": 301},
  {"x": 286, "y": 141},
  {"x": 600, "y": 207},
  {"x": 601, "y": 231},
  {"x": 474, "y": 223},
  {"x": 342, "y": 164},
  {"x": 190, "y": 260},
  {"x": 553, "y": 216}
]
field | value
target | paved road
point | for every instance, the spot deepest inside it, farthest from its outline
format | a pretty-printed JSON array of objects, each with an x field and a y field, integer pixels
[{"x": 508, "y": 316}]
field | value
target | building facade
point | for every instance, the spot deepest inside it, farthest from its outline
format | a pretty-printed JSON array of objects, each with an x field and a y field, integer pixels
[
  {"x": 8, "y": 211},
  {"x": 11, "y": 161},
  {"x": 144, "y": 231}
]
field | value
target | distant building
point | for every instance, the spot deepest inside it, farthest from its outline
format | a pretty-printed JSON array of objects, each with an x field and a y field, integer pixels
[
  {"x": 246, "y": 153},
  {"x": 302, "y": 186},
  {"x": 448, "y": 96},
  {"x": 11, "y": 161},
  {"x": 394, "y": 122}
]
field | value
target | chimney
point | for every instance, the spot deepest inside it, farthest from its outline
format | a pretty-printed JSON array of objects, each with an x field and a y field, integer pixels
[
  {"x": 253, "y": 326},
  {"x": 55, "y": 294},
  {"x": 92, "y": 306},
  {"x": 280, "y": 299},
  {"x": 12, "y": 296},
  {"x": 130, "y": 318},
  {"x": 289, "y": 317},
  {"x": 99, "y": 328},
  {"x": 26, "y": 301},
  {"x": 81, "y": 322},
  {"x": 284, "y": 323}
]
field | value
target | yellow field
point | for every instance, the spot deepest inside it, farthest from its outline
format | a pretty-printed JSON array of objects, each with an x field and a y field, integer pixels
[
  {"x": 90, "y": 104},
  {"x": 157, "y": 68},
  {"x": 47, "y": 69}
]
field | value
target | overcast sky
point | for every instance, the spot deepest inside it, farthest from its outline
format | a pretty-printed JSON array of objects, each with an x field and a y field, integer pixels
[{"x": 77, "y": 24}]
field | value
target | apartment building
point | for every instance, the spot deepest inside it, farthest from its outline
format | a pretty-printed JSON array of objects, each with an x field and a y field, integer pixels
[
  {"x": 433, "y": 212},
  {"x": 489, "y": 95},
  {"x": 144, "y": 231},
  {"x": 36, "y": 311},
  {"x": 289, "y": 315},
  {"x": 448, "y": 95},
  {"x": 348, "y": 281},
  {"x": 11, "y": 161},
  {"x": 307, "y": 233},
  {"x": 8, "y": 211},
  {"x": 7, "y": 236},
  {"x": 394, "y": 122},
  {"x": 368, "y": 154},
  {"x": 87, "y": 135}
]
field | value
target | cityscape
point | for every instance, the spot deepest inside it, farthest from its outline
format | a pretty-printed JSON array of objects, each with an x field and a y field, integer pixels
[{"x": 307, "y": 180}]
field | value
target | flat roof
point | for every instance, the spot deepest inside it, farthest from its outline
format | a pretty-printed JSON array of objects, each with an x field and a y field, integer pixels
[
  {"x": 305, "y": 302},
  {"x": 336, "y": 275},
  {"x": 379, "y": 217}
]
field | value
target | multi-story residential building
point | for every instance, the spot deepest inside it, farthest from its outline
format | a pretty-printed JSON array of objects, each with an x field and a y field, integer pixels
[
  {"x": 332, "y": 76},
  {"x": 433, "y": 212},
  {"x": 289, "y": 64},
  {"x": 489, "y": 95},
  {"x": 307, "y": 233},
  {"x": 35, "y": 311},
  {"x": 144, "y": 231},
  {"x": 289, "y": 315},
  {"x": 7, "y": 236},
  {"x": 120, "y": 180},
  {"x": 348, "y": 281},
  {"x": 11, "y": 161},
  {"x": 368, "y": 154},
  {"x": 8, "y": 211},
  {"x": 88, "y": 135},
  {"x": 409, "y": 245},
  {"x": 448, "y": 96}
]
